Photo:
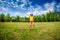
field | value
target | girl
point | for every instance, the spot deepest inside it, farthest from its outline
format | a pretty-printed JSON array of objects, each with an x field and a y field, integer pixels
[{"x": 31, "y": 20}]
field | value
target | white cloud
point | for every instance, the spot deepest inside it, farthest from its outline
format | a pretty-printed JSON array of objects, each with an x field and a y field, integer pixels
[
  {"x": 58, "y": 5},
  {"x": 0, "y": 12},
  {"x": 12, "y": 2},
  {"x": 34, "y": 13},
  {"x": 25, "y": 3},
  {"x": 0, "y": 0},
  {"x": 16, "y": 6},
  {"x": 49, "y": 6},
  {"x": 22, "y": 5},
  {"x": 31, "y": 8},
  {"x": 16, "y": 13},
  {"x": 34, "y": 10},
  {"x": 5, "y": 9},
  {"x": 38, "y": 10},
  {"x": 27, "y": 14},
  {"x": 17, "y": 0},
  {"x": 8, "y": 2}
]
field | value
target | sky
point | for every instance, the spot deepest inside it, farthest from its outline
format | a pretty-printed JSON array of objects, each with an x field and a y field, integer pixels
[{"x": 26, "y": 7}]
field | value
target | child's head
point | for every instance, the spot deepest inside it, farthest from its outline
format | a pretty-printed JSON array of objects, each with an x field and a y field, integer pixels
[{"x": 31, "y": 14}]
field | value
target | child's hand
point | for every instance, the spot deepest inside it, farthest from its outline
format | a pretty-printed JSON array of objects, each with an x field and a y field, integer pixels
[{"x": 28, "y": 15}]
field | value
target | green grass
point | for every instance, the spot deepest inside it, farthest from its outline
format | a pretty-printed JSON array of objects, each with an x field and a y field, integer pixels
[{"x": 21, "y": 31}]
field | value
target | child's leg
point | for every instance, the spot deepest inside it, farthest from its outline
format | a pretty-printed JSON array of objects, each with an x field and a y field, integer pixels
[
  {"x": 33, "y": 23},
  {"x": 30, "y": 23}
]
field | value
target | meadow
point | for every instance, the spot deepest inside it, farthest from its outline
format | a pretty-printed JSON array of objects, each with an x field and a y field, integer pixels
[{"x": 21, "y": 31}]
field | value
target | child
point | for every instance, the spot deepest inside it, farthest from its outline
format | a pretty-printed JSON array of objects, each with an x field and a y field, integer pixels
[{"x": 31, "y": 20}]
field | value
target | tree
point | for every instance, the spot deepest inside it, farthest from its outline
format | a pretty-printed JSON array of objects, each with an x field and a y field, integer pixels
[
  {"x": 26, "y": 19},
  {"x": 13, "y": 19},
  {"x": 36, "y": 19},
  {"x": 17, "y": 18},
  {"x": 48, "y": 17},
  {"x": 7, "y": 18},
  {"x": 2, "y": 17},
  {"x": 57, "y": 15}
]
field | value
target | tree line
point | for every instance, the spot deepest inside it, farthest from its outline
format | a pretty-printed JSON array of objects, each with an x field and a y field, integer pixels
[{"x": 48, "y": 17}]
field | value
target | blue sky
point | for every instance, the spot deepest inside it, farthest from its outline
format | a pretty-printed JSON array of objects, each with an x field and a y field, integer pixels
[{"x": 26, "y": 7}]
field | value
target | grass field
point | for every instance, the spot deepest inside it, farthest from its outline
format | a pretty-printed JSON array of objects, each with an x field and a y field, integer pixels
[{"x": 21, "y": 31}]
